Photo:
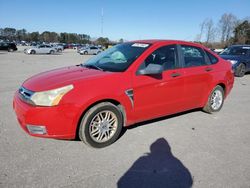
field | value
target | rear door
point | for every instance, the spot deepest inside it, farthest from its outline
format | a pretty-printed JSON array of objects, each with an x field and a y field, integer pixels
[
  {"x": 41, "y": 49},
  {"x": 158, "y": 95},
  {"x": 93, "y": 50},
  {"x": 198, "y": 72}
]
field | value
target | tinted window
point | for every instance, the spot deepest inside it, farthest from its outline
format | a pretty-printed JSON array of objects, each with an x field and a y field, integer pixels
[
  {"x": 165, "y": 56},
  {"x": 211, "y": 58},
  {"x": 193, "y": 56},
  {"x": 236, "y": 50},
  {"x": 93, "y": 48}
]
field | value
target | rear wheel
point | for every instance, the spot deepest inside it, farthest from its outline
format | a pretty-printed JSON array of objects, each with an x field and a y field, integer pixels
[
  {"x": 59, "y": 50},
  {"x": 240, "y": 70},
  {"x": 85, "y": 53},
  {"x": 10, "y": 50},
  {"x": 32, "y": 52},
  {"x": 52, "y": 52},
  {"x": 101, "y": 125},
  {"x": 215, "y": 100}
]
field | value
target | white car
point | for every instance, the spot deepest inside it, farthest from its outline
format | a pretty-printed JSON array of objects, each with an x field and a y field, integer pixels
[
  {"x": 90, "y": 50},
  {"x": 41, "y": 49}
]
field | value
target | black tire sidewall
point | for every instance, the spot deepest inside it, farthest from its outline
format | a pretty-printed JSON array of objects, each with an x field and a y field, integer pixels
[{"x": 85, "y": 122}]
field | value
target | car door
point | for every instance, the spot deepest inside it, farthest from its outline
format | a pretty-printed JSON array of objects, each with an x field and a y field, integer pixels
[
  {"x": 158, "y": 95},
  {"x": 248, "y": 59},
  {"x": 47, "y": 49},
  {"x": 40, "y": 49},
  {"x": 198, "y": 73},
  {"x": 93, "y": 50}
]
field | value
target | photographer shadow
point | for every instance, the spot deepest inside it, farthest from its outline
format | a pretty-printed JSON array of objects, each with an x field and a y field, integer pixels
[{"x": 159, "y": 168}]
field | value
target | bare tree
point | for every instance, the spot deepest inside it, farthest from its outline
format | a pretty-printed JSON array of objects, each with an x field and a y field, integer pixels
[
  {"x": 226, "y": 26},
  {"x": 209, "y": 30},
  {"x": 199, "y": 36}
]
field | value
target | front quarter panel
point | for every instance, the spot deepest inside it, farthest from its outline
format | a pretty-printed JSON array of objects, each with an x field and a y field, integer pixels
[{"x": 88, "y": 92}]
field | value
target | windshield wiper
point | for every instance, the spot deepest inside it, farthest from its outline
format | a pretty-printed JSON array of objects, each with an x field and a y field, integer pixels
[{"x": 93, "y": 67}]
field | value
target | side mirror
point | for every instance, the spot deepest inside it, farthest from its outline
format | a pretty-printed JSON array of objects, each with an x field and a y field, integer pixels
[{"x": 151, "y": 69}]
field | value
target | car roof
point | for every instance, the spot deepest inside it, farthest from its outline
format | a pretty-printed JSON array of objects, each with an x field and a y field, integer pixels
[
  {"x": 240, "y": 45},
  {"x": 164, "y": 41}
]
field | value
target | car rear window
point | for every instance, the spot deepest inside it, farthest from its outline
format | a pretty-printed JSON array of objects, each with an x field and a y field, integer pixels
[{"x": 212, "y": 58}]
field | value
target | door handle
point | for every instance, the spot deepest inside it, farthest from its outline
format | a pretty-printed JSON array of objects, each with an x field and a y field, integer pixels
[
  {"x": 208, "y": 69},
  {"x": 176, "y": 74}
]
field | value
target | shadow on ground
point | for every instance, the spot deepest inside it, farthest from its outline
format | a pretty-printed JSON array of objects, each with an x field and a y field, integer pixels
[{"x": 159, "y": 168}]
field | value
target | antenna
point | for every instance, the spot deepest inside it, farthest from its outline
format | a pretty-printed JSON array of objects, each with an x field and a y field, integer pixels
[{"x": 102, "y": 13}]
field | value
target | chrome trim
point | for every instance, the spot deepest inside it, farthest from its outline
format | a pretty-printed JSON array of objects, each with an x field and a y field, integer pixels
[
  {"x": 130, "y": 94},
  {"x": 25, "y": 95}
]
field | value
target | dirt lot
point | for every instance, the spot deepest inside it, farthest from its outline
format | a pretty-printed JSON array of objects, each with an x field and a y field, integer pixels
[{"x": 193, "y": 148}]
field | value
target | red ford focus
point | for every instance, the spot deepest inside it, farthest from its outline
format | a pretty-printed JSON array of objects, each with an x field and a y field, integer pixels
[{"x": 129, "y": 83}]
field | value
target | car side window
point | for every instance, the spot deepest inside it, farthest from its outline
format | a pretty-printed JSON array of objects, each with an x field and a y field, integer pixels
[
  {"x": 165, "y": 56},
  {"x": 212, "y": 58},
  {"x": 193, "y": 56}
]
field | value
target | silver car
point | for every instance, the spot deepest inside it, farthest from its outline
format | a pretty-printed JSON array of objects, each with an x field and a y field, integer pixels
[
  {"x": 90, "y": 50},
  {"x": 41, "y": 49}
]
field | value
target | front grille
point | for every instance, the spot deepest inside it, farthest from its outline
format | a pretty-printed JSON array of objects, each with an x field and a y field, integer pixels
[{"x": 25, "y": 95}]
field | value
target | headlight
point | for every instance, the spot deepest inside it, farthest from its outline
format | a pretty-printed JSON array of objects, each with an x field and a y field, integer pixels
[
  {"x": 50, "y": 97},
  {"x": 233, "y": 61}
]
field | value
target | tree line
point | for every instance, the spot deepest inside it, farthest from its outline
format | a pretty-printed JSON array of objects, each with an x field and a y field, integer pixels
[
  {"x": 13, "y": 34},
  {"x": 229, "y": 30}
]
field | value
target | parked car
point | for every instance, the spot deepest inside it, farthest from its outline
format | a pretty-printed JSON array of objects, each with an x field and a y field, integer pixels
[
  {"x": 58, "y": 48},
  {"x": 126, "y": 84},
  {"x": 90, "y": 50},
  {"x": 239, "y": 56},
  {"x": 41, "y": 49},
  {"x": 8, "y": 46}
]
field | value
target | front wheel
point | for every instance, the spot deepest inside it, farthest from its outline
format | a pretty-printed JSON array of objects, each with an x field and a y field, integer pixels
[
  {"x": 101, "y": 125},
  {"x": 215, "y": 100},
  {"x": 52, "y": 52}
]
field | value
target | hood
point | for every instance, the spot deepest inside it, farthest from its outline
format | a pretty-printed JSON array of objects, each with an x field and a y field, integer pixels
[{"x": 61, "y": 77}]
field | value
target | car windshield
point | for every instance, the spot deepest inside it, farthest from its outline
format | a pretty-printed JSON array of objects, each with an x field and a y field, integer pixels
[
  {"x": 117, "y": 58},
  {"x": 235, "y": 50}
]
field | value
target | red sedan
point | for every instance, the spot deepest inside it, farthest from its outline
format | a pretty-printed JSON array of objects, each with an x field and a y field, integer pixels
[{"x": 126, "y": 84}]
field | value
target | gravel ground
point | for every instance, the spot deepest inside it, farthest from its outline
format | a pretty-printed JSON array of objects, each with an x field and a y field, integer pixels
[{"x": 190, "y": 149}]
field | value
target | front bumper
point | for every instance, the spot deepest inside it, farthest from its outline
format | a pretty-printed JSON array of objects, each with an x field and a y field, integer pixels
[{"x": 49, "y": 122}]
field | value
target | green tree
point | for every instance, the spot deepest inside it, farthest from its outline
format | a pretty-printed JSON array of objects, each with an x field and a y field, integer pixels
[
  {"x": 242, "y": 33},
  {"x": 103, "y": 41}
]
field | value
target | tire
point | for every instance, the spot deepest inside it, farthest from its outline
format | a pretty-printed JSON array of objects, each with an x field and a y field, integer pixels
[
  {"x": 59, "y": 50},
  {"x": 85, "y": 53},
  {"x": 10, "y": 50},
  {"x": 52, "y": 52},
  {"x": 215, "y": 100},
  {"x": 95, "y": 129},
  {"x": 32, "y": 52},
  {"x": 240, "y": 70}
]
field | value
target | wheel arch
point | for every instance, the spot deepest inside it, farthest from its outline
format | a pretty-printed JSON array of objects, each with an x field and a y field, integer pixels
[{"x": 113, "y": 101}]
